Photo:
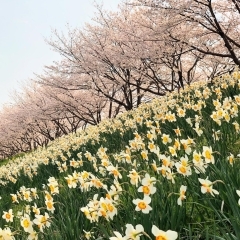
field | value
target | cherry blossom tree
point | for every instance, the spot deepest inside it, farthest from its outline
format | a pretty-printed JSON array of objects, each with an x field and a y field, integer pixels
[{"x": 210, "y": 27}]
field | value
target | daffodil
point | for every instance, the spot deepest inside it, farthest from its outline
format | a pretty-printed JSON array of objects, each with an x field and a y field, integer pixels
[
  {"x": 33, "y": 235},
  {"x": 134, "y": 177},
  {"x": 182, "y": 195},
  {"x": 198, "y": 162},
  {"x": 144, "y": 154},
  {"x": 172, "y": 150},
  {"x": 198, "y": 130},
  {"x": 48, "y": 196},
  {"x": 113, "y": 193},
  {"x": 166, "y": 161},
  {"x": 177, "y": 131},
  {"x": 27, "y": 195},
  {"x": 147, "y": 180},
  {"x": 230, "y": 159},
  {"x": 151, "y": 135},
  {"x": 87, "y": 234},
  {"x": 118, "y": 236},
  {"x": 176, "y": 144},
  {"x": 14, "y": 198},
  {"x": 35, "y": 209},
  {"x": 26, "y": 223},
  {"x": 166, "y": 139},
  {"x": 71, "y": 181},
  {"x": 143, "y": 204},
  {"x": 186, "y": 145},
  {"x": 207, "y": 187},
  {"x": 181, "y": 112},
  {"x": 34, "y": 193},
  {"x": 153, "y": 148},
  {"x": 53, "y": 185},
  {"x": 134, "y": 233},
  {"x": 183, "y": 166},
  {"x": 162, "y": 235},
  {"x": 50, "y": 206},
  {"x": 237, "y": 126},
  {"x": 189, "y": 121},
  {"x": 6, "y": 233},
  {"x": 147, "y": 189},
  {"x": 114, "y": 171},
  {"x": 42, "y": 221},
  {"x": 207, "y": 154},
  {"x": 8, "y": 216}
]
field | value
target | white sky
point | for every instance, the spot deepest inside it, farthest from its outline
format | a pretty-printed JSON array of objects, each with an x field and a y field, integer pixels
[{"x": 24, "y": 24}]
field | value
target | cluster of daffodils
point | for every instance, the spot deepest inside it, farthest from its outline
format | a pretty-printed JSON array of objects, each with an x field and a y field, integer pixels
[
  {"x": 6, "y": 233},
  {"x": 134, "y": 233},
  {"x": 148, "y": 189},
  {"x": 33, "y": 219},
  {"x": 105, "y": 207},
  {"x": 84, "y": 180},
  {"x": 226, "y": 110}
]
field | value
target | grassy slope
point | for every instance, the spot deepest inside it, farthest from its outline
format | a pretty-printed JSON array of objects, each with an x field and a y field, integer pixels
[{"x": 120, "y": 143}]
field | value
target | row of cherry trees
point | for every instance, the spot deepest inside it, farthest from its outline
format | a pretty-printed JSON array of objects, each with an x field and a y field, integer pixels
[{"x": 144, "y": 50}]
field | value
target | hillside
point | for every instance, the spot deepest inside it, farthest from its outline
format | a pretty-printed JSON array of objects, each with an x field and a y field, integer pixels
[{"x": 166, "y": 170}]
